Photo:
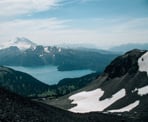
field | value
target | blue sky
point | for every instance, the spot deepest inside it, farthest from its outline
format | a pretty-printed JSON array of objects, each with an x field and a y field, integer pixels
[{"x": 103, "y": 23}]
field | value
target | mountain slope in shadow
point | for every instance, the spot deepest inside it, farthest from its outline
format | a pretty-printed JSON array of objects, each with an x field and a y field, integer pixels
[{"x": 15, "y": 108}]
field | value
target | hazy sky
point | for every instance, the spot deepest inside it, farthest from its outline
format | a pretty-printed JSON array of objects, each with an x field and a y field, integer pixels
[{"x": 104, "y": 23}]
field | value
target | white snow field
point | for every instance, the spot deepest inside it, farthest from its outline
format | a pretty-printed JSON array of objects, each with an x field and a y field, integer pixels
[
  {"x": 126, "y": 108},
  {"x": 143, "y": 63},
  {"x": 88, "y": 101},
  {"x": 143, "y": 91}
]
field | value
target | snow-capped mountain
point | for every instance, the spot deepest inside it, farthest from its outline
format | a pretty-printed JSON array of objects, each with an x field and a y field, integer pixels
[
  {"x": 20, "y": 42},
  {"x": 123, "y": 87},
  {"x": 29, "y": 54}
]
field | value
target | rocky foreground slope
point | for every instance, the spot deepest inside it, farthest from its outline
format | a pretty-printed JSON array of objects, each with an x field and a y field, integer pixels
[
  {"x": 14, "y": 108},
  {"x": 121, "y": 89}
]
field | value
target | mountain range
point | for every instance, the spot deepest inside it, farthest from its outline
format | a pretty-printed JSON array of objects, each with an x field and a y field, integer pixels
[
  {"x": 33, "y": 55},
  {"x": 126, "y": 47}
]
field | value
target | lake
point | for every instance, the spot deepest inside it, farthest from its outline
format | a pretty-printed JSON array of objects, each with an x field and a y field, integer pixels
[{"x": 50, "y": 74}]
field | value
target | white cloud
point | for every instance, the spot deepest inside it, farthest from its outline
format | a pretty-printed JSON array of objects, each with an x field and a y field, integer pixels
[
  {"x": 103, "y": 33},
  {"x": 17, "y": 7}
]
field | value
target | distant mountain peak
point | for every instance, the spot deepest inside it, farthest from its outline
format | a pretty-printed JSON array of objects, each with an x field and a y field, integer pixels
[
  {"x": 126, "y": 47},
  {"x": 20, "y": 42}
]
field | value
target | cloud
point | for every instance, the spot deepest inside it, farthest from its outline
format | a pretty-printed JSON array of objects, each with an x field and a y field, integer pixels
[
  {"x": 20, "y": 26},
  {"x": 18, "y": 7},
  {"x": 103, "y": 33}
]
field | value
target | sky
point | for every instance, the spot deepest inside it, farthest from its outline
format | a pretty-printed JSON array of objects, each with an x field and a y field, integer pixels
[{"x": 98, "y": 23}]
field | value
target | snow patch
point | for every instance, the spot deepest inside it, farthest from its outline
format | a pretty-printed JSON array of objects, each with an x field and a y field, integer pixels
[
  {"x": 41, "y": 55},
  {"x": 59, "y": 50},
  {"x": 143, "y": 63},
  {"x": 143, "y": 91},
  {"x": 127, "y": 108},
  {"x": 135, "y": 90},
  {"x": 46, "y": 50},
  {"x": 88, "y": 101}
]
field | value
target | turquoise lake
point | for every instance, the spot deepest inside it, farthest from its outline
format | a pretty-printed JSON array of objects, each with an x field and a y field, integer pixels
[{"x": 50, "y": 74}]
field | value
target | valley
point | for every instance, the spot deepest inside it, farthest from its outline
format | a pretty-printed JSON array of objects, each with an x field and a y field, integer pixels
[{"x": 26, "y": 85}]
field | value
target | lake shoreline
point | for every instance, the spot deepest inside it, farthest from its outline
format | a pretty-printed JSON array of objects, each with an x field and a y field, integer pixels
[{"x": 50, "y": 74}]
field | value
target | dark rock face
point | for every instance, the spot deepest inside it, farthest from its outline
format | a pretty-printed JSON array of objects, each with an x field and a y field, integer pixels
[
  {"x": 123, "y": 64},
  {"x": 123, "y": 73}
]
